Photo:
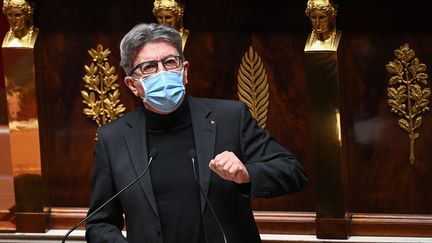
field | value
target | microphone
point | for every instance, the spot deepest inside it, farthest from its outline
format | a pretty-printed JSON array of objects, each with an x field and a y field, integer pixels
[
  {"x": 153, "y": 153},
  {"x": 193, "y": 155}
]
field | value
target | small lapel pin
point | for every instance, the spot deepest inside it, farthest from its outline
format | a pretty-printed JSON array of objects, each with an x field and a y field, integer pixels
[{"x": 212, "y": 122}]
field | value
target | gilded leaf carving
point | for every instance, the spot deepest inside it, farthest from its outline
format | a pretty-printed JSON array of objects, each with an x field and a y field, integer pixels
[
  {"x": 101, "y": 96},
  {"x": 253, "y": 88},
  {"x": 408, "y": 94}
]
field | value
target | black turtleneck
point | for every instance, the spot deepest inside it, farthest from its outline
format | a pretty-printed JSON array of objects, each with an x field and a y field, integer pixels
[{"x": 176, "y": 191}]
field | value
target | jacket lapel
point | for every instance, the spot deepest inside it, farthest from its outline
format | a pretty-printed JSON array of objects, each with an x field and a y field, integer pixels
[
  {"x": 204, "y": 130},
  {"x": 136, "y": 140}
]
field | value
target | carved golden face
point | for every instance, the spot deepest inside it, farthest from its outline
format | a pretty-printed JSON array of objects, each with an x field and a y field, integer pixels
[
  {"x": 17, "y": 19},
  {"x": 168, "y": 18},
  {"x": 321, "y": 21}
]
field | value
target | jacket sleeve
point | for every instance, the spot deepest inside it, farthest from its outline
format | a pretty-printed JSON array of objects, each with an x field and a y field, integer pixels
[
  {"x": 106, "y": 224},
  {"x": 274, "y": 171}
]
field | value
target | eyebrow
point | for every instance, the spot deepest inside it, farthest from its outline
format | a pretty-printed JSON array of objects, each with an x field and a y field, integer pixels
[{"x": 150, "y": 60}]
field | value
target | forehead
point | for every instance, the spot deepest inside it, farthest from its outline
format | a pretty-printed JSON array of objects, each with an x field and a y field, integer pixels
[
  {"x": 318, "y": 12},
  {"x": 155, "y": 50},
  {"x": 164, "y": 12},
  {"x": 14, "y": 10}
]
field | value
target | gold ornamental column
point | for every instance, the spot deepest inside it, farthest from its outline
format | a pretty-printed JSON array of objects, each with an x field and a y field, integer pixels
[
  {"x": 324, "y": 107},
  {"x": 18, "y": 61}
]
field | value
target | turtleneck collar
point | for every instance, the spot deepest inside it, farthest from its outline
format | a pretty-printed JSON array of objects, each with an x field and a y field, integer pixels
[{"x": 177, "y": 119}]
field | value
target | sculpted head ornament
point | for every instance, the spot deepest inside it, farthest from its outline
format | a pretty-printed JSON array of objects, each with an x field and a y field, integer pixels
[
  {"x": 18, "y": 4},
  {"x": 168, "y": 5},
  {"x": 21, "y": 32},
  {"x": 324, "y": 5},
  {"x": 324, "y": 35},
  {"x": 170, "y": 13}
]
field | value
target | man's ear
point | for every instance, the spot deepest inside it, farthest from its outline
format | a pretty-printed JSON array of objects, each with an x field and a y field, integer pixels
[
  {"x": 130, "y": 83},
  {"x": 185, "y": 72}
]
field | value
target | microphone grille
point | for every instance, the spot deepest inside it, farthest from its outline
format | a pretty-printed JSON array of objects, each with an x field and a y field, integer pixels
[
  {"x": 192, "y": 153},
  {"x": 153, "y": 152}
]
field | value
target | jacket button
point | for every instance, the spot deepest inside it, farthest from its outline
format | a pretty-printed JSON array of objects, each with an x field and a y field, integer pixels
[{"x": 158, "y": 232}]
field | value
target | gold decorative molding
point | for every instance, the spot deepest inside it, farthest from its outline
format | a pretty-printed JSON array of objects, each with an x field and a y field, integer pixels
[
  {"x": 408, "y": 96},
  {"x": 253, "y": 88},
  {"x": 102, "y": 96}
]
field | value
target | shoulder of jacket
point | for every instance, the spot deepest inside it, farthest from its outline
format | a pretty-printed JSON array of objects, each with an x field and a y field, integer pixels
[
  {"x": 219, "y": 103},
  {"x": 122, "y": 121}
]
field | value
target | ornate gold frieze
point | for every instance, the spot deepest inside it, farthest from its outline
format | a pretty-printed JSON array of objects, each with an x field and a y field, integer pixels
[
  {"x": 102, "y": 96},
  {"x": 253, "y": 88},
  {"x": 407, "y": 92}
]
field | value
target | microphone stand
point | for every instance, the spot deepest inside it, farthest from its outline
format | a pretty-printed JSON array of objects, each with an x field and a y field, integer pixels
[
  {"x": 153, "y": 153},
  {"x": 192, "y": 155}
]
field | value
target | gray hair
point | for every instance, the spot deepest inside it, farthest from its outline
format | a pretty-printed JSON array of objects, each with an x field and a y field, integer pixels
[{"x": 142, "y": 34}]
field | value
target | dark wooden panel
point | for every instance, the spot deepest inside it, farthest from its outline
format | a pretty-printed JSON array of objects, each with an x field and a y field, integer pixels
[
  {"x": 379, "y": 175},
  {"x": 31, "y": 222},
  {"x": 213, "y": 73},
  {"x": 333, "y": 228},
  {"x": 68, "y": 136}
]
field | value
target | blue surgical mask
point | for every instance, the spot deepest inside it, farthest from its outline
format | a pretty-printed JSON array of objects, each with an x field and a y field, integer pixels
[{"x": 164, "y": 90}]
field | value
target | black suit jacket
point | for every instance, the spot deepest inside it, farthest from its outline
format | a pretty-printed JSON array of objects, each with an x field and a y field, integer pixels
[{"x": 121, "y": 155}]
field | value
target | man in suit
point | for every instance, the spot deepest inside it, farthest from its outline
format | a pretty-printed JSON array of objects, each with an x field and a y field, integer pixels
[{"x": 212, "y": 156}]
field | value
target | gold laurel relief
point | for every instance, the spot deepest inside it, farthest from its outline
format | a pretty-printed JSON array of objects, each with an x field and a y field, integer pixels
[
  {"x": 407, "y": 93},
  {"x": 101, "y": 94},
  {"x": 253, "y": 88}
]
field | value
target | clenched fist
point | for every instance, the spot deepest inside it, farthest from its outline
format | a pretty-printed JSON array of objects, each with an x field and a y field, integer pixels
[{"x": 229, "y": 167}]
